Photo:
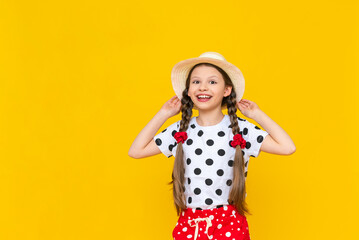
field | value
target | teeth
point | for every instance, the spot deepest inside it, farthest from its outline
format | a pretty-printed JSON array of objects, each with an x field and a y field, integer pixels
[{"x": 203, "y": 96}]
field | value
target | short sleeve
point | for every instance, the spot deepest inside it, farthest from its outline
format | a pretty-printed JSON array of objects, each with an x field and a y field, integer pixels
[
  {"x": 253, "y": 135},
  {"x": 165, "y": 140}
]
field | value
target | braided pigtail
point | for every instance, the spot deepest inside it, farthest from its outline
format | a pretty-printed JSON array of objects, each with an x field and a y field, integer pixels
[
  {"x": 178, "y": 168},
  {"x": 238, "y": 191}
]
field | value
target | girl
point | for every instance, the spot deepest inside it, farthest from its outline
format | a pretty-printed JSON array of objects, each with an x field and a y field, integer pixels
[{"x": 211, "y": 150}]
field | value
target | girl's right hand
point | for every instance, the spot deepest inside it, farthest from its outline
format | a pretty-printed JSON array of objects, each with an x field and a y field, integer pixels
[{"x": 172, "y": 107}]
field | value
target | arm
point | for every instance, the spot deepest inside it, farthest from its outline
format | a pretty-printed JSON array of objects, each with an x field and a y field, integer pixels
[
  {"x": 144, "y": 145},
  {"x": 277, "y": 141}
]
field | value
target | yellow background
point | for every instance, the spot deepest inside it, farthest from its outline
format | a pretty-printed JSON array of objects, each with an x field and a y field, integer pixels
[{"x": 80, "y": 79}]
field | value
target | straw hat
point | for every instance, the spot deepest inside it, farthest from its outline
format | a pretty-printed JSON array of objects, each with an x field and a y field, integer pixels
[{"x": 181, "y": 69}]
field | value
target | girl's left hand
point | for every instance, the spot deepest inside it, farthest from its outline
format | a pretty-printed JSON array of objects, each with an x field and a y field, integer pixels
[{"x": 248, "y": 108}]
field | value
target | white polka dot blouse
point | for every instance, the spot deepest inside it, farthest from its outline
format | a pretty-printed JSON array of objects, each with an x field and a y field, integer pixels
[{"x": 209, "y": 157}]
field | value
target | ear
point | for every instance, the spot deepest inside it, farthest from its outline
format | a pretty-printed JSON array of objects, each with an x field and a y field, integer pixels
[{"x": 227, "y": 91}]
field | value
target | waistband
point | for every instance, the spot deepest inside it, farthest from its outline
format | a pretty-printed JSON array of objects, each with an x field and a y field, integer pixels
[
  {"x": 199, "y": 212},
  {"x": 218, "y": 206}
]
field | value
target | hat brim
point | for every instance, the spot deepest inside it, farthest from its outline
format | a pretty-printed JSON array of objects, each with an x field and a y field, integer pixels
[{"x": 180, "y": 72}]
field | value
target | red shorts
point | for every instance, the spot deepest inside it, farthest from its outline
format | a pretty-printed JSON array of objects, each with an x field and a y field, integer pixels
[{"x": 216, "y": 224}]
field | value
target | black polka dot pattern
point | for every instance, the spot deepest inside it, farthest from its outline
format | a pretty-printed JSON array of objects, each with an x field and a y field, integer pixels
[
  {"x": 209, "y": 158},
  {"x": 209, "y": 181},
  {"x": 221, "y": 134},
  {"x": 200, "y": 133},
  {"x": 230, "y": 163},
  {"x": 210, "y": 142},
  {"x": 198, "y": 151},
  {"x": 221, "y": 152},
  {"x": 158, "y": 142},
  {"x": 209, "y": 201},
  {"x": 209, "y": 162}
]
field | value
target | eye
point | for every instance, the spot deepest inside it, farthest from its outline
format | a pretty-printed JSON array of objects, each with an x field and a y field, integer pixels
[{"x": 214, "y": 82}]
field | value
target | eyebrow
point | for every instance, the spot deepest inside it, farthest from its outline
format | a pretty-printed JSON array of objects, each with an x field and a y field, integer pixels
[{"x": 208, "y": 77}]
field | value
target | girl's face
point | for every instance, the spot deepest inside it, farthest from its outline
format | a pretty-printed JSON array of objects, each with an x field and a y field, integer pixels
[{"x": 207, "y": 81}]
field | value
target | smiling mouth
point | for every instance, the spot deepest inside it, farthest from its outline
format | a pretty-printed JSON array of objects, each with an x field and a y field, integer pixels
[{"x": 203, "y": 98}]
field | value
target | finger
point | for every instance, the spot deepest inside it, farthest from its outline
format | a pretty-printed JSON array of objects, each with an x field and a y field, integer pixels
[
  {"x": 243, "y": 103},
  {"x": 174, "y": 98},
  {"x": 244, "y": 106},
  {"x": 249, "y": 102},
  {"x": 240, "y": 105}
]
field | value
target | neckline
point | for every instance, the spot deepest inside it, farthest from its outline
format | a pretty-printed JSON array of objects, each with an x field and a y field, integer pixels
[{"x": 216, "y": 125}]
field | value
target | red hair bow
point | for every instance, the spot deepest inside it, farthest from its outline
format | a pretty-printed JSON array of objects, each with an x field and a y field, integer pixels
[
  {"x": 181, "y": 136},
  {"x": 238, "y": 140}
]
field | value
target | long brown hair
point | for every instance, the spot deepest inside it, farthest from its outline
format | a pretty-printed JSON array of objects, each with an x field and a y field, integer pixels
[{"x": 238, "y": 191}]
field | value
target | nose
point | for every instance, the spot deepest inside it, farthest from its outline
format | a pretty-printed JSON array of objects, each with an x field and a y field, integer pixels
[{"x": 203, "y": 86}]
